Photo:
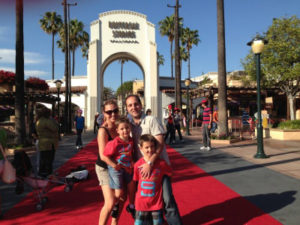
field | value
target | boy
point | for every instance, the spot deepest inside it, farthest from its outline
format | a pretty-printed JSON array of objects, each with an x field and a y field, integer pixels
[
  {"x": 148, "y": 199},
  {"x": 120, "y": 151}
]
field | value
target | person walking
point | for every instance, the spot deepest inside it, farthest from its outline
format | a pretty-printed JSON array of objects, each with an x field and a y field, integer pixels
[
  {"x": 96, "y": 125},
  {"x": 206, "y": 125},
  {"x": 214, "y": 120},
  {"x": 170, "y": 128},
  {"x": 177, "y": 121},
  {"x": 79, "y": 126},
  {"x": 142, "y": 124},
  {"x": 47, "y": 133}
]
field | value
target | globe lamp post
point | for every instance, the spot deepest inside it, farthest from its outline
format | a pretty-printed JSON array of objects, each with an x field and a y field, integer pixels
[
  {"x": 257, "y": 45},
  {"x": 187, "y": 83},
  {"x": 58, "y": 84}
]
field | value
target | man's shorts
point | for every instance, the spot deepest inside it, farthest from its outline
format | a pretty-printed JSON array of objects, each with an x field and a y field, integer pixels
[
  {"x": 102, "y": 174},
  {"x": 118, "y": 178}
]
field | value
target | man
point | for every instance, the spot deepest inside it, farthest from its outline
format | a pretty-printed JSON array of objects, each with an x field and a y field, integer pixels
[
  {"x": 142, "y": 124},
  {"x": 177, "y": 121},
  {"x": 206, "y": 125}
]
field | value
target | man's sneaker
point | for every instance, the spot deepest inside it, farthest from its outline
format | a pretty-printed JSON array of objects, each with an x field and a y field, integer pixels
[
  {"x": 203, "y": 148},
  {"x": 208, "y": 148},
  {"x": 77, "y": 147},
  {"x": 131, "y": 211},
  {"x": 115, "y": 211}
]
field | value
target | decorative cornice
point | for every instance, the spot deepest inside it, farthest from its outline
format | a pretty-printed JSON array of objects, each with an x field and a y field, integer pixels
[
  {"x": 94, "y": 22},
  {"x": 151, "y": 24},
  {"x": 122, "y": 12},
  {"x": 152, "y": 43},
  {"x": 93, "y": 42}
]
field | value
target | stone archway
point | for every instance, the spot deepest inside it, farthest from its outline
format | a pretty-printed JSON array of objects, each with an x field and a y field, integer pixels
[{"x": 122, "y": 34}]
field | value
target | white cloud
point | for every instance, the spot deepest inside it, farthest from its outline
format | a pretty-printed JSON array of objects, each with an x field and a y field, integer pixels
[
  {"x": 3, "y": 33},
  {"x": 28, "y": 73},
  {"x": 8, "y": 56}
]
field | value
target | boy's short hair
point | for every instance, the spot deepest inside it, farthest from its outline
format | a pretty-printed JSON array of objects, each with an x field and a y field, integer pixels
[
  {"x": 122, "y": 119},
  {"x": 148, "y": 138}
]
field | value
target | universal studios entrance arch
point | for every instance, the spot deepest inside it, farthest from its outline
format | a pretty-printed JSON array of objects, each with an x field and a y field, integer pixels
[{"x": 117, "y": 35}]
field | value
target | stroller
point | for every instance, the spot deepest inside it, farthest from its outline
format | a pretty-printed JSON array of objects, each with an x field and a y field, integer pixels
[{"x": 26, "y": 174}]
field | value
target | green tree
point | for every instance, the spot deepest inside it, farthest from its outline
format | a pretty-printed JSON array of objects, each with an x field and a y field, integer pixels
[
  {"x": 51, "y": 23},
  {"x": 19, "y": 79},
  {"x": 222, "y": 82},
  {"x": 127, "y": 88},
  {"x": 188, "y": 39},
  {"x": 280, "y": 59},
  {"x": 108, "y": 93}
]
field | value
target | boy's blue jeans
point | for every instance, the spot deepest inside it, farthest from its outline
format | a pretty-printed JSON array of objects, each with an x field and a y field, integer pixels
[{"x": 171, "y": 209}]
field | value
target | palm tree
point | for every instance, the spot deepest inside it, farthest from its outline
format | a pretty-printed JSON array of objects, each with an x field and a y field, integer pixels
[
  {"x": 160, "y": 61},
  {"x": 122, "y": 61},
  {"x": 76, "y": 36},
  {"x": 51, "y": 23},
  {"x": 222, "y": 86},
  {"x": 188, "y": 39},
  {"x": 166, "y": 28},
  {"x": 19, "y": 79},
  {"x": 84, "y": 43}
]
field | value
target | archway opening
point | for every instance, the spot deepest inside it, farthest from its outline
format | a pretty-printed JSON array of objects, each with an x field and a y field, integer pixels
[{"x": 122, "y": 76}]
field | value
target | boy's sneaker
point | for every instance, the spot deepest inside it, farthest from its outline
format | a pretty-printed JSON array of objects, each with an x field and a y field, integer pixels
[
  {"x": 115, "y": 211},
  {"x": 131, "y": 211},
  {"x": 208, "y": 149},
  {"x": 203, "y": 148},
  {"x": 77, "y": 147}
]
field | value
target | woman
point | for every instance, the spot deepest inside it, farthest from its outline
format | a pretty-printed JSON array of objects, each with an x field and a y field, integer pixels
[
  {"x": 106, "y": 133},
  {"x": 47, "y": 132}
]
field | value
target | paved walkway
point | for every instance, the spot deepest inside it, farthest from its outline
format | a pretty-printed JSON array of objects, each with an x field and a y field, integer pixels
[{"x": 283, "y": 156}]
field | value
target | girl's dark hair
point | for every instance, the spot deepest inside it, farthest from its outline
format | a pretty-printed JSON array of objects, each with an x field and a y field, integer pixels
[
  {"x": 148, "y": 138},
  {"x": 122, "y": 119}
]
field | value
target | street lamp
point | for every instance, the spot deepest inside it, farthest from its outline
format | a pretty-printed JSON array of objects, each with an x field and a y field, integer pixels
[
  {"x": 257, "y": 45},
  {"x": 187, "y": 83},
  {"x": 58, "y": 86}
]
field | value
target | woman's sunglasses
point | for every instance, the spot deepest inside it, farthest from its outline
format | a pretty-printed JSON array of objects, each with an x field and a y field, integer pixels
[{"x": 110, "y": 112}]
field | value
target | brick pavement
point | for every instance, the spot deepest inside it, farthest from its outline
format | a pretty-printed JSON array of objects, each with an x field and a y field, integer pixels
[{"x": 283, "y": 156}]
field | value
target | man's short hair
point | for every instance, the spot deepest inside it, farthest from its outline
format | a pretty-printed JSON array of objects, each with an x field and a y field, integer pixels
[
  {"x": 148, "y": 138},
  {"x": 134, "y": 96},
  {"x": 122, "y": 119}
]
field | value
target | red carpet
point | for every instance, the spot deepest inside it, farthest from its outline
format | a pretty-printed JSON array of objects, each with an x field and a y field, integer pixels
[{"x": 201, "y": 199}]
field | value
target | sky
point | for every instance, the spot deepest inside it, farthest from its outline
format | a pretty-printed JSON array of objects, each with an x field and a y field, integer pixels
[{"x": 243, "y": 20}]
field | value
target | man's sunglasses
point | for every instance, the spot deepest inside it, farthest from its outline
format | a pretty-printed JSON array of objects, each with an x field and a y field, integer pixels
[{"x": 110, "y": 112}]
